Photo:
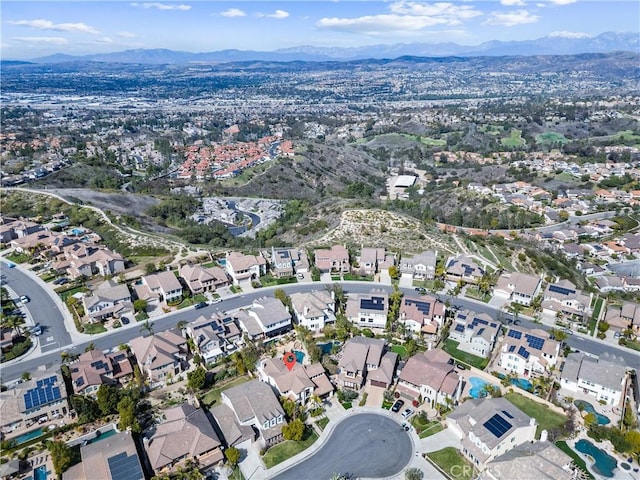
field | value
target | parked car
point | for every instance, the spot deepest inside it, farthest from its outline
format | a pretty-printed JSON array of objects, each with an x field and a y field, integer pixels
[
  {"x": 406, "y": 427},
  {"x": 616, "y": 335},
  {"x": 421, "y": 290},
  {"x": 125, "y": 321},
  {"x": 216, "y": 300},
  {"x": 200, "y": 305},
  {"x": 397, "y": 406},
  {"x": 407, "y": 413},
  {"x": 24, "y": 299},
  {"x": 461, "y": 366},
  {"x": 568, "y": 331},
  {"x": 300, "y": 276}
]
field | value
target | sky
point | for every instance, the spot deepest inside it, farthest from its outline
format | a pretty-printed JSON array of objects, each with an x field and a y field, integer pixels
[{"x": 31, "y": 29}]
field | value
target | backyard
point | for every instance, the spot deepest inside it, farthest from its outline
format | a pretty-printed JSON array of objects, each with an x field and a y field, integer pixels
[
  {"x": 288, "y": 449},
  {"x": 546, "y": 418},
  {"x": 448, "y": 458},
  {"x": 451, "y": 347},
  {"x": 213, "y": 395},
  {"x": 562, "y": 445}
]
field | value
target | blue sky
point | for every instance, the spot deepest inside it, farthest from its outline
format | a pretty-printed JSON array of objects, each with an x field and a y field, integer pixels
[{"x": 36, "y": 28}]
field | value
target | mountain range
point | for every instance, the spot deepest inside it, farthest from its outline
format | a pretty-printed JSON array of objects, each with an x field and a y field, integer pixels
[{"x": 550, "y": 45}]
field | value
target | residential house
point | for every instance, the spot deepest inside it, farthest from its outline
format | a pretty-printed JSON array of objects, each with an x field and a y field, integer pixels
[
  {"x": 369, "y": 260},
  {"x": 94, "y": 368},
  {"x": 603, "y": 378},
  {"x": 430, "y": 377},
  {"x": 527, "y": 352},
  {"x": 475, "y": 333},
  {"x": 38, "y": 400},
  {"x": 564, "y": 298},
  {"x": 83, "y": 260},
  {"x": 335, "y": 259},
  {"x": 245, "y": 268},
  {"x": 114, "y": 458},
  {"x": 518, "y": 287},
  {"x": 366, "y": 360},
  {"x": 490, "y": 427},
  {"x": 368, "y": 310},
  {"x": 254, "y": 404},
  {"x": 109, "y": 299},
  {"x": 300, "y": 383},
  {"x": 214, "y": 337},
  {"x": 463, "y": 269},
  {"x": 164, "y": 284},
  {"x": 287, "y": 261},
  {"x": 185, "y": 434},
  {"x": 419, "y": 267},
  {"x": 531, "y": 461},
  {"x": 313, "y": 310},
  {"x": 199, "y": 279},
  {"x": 619, "y": 319},
  {"x": 267, "y": 317},
  {"x": 423, "y": 314},
  {"x": 18, "y": 229},
  {"x": 160, "y": 356},
  {"x": 44, "y": 243}
]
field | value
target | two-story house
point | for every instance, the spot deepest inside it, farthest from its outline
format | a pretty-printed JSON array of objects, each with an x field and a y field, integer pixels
[
  {"x": 476, "y": 333},
  {"x": 335, "y": 259},
  {"x": 603, "y": 378},
  {"x": 214, "y": 336},
  {"x": 419, "y": 267},
  {"x": 430, "y": 377},
  {"x": 244, "y": 268},
  {"x": 313, "y": 310},
  {"x": 160, "y": 356},
  {"x": 490, "y": 427},
  {"x": 366, "y": 360},
  {"x": 267, "y": 317},
  {"x": 94, "y": 368},
  {"x": 199, "y": 279},
  {"x": 164, "y": 284},
  {"x": 422, "y": 315},
  {"x": 282, "y": 262},
  {"x": 370, "y": 259},
  {"x": 109, "y": 299},
  {"x": 526, "y": 352},
  {"x": 518, "y": 287},
  {"x": 368, "y": 310},
  {"x": 463, "y": 269},
  {"x": 299, "y": 383},
  {"x": 564, "y": 298}
]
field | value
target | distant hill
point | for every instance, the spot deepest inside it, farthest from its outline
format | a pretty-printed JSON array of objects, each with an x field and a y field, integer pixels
[{"x": 550, "y": 45}]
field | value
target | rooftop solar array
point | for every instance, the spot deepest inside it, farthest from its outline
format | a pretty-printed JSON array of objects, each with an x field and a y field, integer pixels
[
  {"x": 514, "y": 334},
  {"x": 512, "y": 348},
  {"x": 507, "y": 414},
  {"x": 424, "y": 307},
  {"x": 497, "y": 425},
  {"x": 44, "y": 392},
  {"x": 561, "y": 290},
  {"x": 462, "y": 316},
  {"x": 481, "y": 331},
  {"x": 534, "y": 342},
  {"x": 123, "y": 467},
  {"x": 375, "y": 303},
  {"x": 523, "y": 352},
  {"x": 459, "y": 327}
]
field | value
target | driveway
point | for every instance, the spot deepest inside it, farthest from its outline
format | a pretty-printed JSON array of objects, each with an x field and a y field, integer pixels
[
  {"x": 365, "y": 445},
  {"x": 445, "y": 438}
]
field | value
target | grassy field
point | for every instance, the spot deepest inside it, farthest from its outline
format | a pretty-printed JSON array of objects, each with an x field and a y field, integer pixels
[
  {"x": 491, "y": 129},
  {"x": 247, "y": 174},
  {"x": 449, "y": 457},
  {"x": 322, "y": 423},
  {"x": 546, "y": 418},
  {"x": 514, "y": 140},
  {"x": 213, "y": 395},
  {"x": 562, "y": 445},
  {"x": 451, "y": 347},
  {"x": 551, "y": 138},
  {"x": 594, "y": 317},
  {"x": 400, "y": 350},
  {"x": 288, "y": 449},
  {"x": 426, "y": 429}
]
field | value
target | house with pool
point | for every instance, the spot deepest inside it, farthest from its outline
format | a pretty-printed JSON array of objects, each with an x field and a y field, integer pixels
[
  {"x": 603, "y": 378},
  {"x": 527, "y": 352},
  {"x": 313, "y": 309},
  {"x": 475, "y": 333},
  {"x": 300, "y": 383},
  {"x": 490, "y": 427}
]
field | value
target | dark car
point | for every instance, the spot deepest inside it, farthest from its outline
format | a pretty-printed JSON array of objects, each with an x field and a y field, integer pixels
[
  {"x": 397, "y": 406},
  {"x": 200, "y": 305},
  {"x": 421, "y": 290},
  {"x": 125, "y": 321}
]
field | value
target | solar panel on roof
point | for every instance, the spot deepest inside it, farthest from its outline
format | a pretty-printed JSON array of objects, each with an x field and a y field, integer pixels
[
  {"x": 514, "y": 334},
  {"x": 512, "y": 348},
  {"x": 523, "y": 352},
  {"x": 507, "y": 414},
  {"x": 535, "y": 342},
  {"x": 497, "y": 425},
  {"x": 480, "y": 331},
  {"x": 27, "y": 401},
  {"x": 56, "y": 393},
  {"x": 459, "y": 328},
  {"x": 561, "y": 290},
  {"x": 424, "y": 307},
  {"x": 480, "y": 321},
  {"x": 39, "y": 383},
  {"x": 125, "y": 467},
  {"x": 375, "y": 303}
]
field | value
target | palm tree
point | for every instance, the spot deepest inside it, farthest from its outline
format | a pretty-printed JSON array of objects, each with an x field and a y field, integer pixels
[
  {"x": 147, "y": 327},
  {"x": 91, "y": 346}
]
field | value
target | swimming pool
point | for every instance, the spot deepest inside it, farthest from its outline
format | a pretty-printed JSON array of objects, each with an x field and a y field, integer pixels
[
  {"x": 604, "y": 463},
  {"x": 25, "y": 437},
  {"x": 40, "y": 473},
  {"x": 327, "y": 347},
  {"x": 103, "y": 435},
  {"x": 522, "y": 383},
  {"x": 477, "y": 387},
  {"x": 299, "y": 355},
  {"x": 587, "y": 407}
]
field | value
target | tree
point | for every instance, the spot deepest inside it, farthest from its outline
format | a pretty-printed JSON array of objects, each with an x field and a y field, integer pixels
[
  {"x": 150, "y": 268},
  {"x": 413, "y": 474},
  {"x": 91, "y": 346},
  {"x": 294, "y": 430},
  {"x": 147, "y": 327},
  {"x": 61, "y": 455},
  {"x": 233, "y": 456},
  {"x": 394, "y": 272},
  {"x": 590, "y": 419},
  {"x": 107, "y": 396},
  {"x": 197, "y": 379},
  {"x": 140, "y": 305},
  {"x": 281, "y": 295},
  {"x": 127, "y": 412},
  {"x": 86, "y": 408},
  {"x": 558, "y": 334},
  {"x": 603, "y": 326},
  {"x": 25, "y": 376}
]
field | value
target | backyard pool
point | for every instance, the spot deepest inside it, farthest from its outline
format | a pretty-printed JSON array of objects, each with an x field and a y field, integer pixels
[
  {"x": 299, "y": 355},
  {"x": 522, "y": 383},
  {"x": 604, "y": 463},
  {"x": 327, "y": 347},
  {"x": 587, "y": 407},
  {"x": 103, "y": 435},
  {"x": 40, "y": 473},
  {"x": 25, "y": 437},
  {"x": 477, "y": 386}
]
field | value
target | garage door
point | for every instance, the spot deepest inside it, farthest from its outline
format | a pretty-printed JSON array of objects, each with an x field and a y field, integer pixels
[{"x": 377, "y": 383}]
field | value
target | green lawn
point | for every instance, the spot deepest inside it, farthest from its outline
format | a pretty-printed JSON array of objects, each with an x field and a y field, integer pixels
[
  {"x": 426, "y": 429},
  {"x": 550, "y": 138},
  {"x": 431, "y": 430},
  {"x": 359, "y": 278},
  {"x": 562, "y": 445},
  {"x": 347, "y": 405},
  {"x": 64, "y": 294},
  {"x": 93, "y": 328},
  {"x": 17, "y": 257},
  {"x": 269, "y": 280},
  {"x": 449, "y": 457},
  {"x": 213, "y": 395},
  {"x": 387, "y": 405},
  {"x": 236, "y": 474},
  {"x": 594, "y": 317},
  {"x": 322, "y": 423},
  {"x": 400, "y": 350},
  {"x": 451, "y": 347},
  {"x": 473, "y": 292},
  {"x": 288, "y": 449},
  {"x": 546, "y": 418},
  {"x": 514, "y": 140}
]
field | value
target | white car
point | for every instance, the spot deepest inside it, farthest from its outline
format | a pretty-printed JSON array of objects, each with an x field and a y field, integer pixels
[
  {"x": 216, "y": 300},
  {"x": 24, "y": 299},
  {"x": 407, "y": 413}
]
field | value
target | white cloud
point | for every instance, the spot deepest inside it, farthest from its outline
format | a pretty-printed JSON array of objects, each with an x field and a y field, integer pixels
[
  {"x": 42, "y": 24},
  {"x": 565, "y": 34},
  {"x": 278, "y": 14},
  {"x": 40, "y": 40},
  {"x": 511, "y": 19},
  {"x": 161, "y": 6},
  {"x": 405, "y": 17},
  {"x": 233, "y": 12},
  {"x": 127, "y": 34},
  {"x": 513, "y": 3},
  {"x": 562, "y": 2},
  {"x": 104, "y": 40}
]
